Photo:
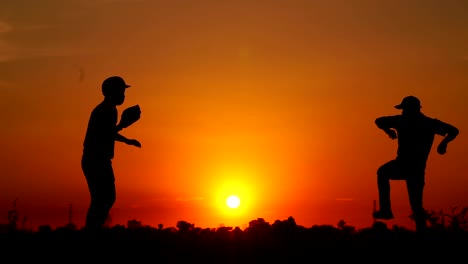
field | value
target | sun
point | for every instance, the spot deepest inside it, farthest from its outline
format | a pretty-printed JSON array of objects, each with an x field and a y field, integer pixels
[
  {"x": 233, "y": 201},
  {"x": 233, "y": 196}
]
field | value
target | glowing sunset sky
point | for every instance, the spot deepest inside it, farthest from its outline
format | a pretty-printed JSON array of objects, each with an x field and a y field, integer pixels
[{"x": 273, "y": 101}]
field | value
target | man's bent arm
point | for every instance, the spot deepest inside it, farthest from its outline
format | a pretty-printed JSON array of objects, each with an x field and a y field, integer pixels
[
  {"x": 132, "y": 142},
  {"x": 121, "y": 138},
  {"x": 384, "y": 123},
  {"x": 118, "y": 128},
  {"x": 452, "y": 133}
]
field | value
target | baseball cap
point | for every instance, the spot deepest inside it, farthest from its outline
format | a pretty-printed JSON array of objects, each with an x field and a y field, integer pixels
[
  {"x": 409, "y": 102},
  {"x": 112, "y": 83}
]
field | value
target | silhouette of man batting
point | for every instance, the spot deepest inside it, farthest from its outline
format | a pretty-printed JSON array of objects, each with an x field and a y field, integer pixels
[
  {"x": 98, "y": 149},
  {"x": 415, "y": 132}
]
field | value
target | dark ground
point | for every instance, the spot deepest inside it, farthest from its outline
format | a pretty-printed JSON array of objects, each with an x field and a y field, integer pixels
[{"x": 260, "y": 243}]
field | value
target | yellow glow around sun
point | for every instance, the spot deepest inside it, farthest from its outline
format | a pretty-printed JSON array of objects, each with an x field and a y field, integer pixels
[
  {"x": 233, "y": 201},
  {"x": 234, "y": 197}
]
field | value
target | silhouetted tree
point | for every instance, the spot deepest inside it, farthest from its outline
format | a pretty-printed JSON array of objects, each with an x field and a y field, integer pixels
[
  {"x": 134, "y": 224},
  {"x": 259, "y": 229},
  {"x": 184, "y": 226},
  {"x": 346, "y": 229},
  {"x": 341, "y": 224},
  {"x": 45, "y": 228}
]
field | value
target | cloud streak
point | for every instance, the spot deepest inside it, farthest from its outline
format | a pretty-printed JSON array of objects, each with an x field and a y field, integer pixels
[
  {"x": 6, "y": 50},
  {"x": 4, "y": 84},
  {"x": 188, "y": 199},
  {"x": 13, "y": 45},
  {"x": 344, "y": 199},
  {"x": 4, "y": 27}
]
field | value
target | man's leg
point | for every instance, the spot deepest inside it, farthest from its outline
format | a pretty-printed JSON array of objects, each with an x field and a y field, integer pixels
[
  {"x": 100, "y": 179},
  {"x": 102, "y": 200},
  {"x": 415, "y": 188},
  {"x": 385, "y": 173}
]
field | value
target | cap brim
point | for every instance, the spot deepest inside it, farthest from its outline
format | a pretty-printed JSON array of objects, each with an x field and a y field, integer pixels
[
  {"x": 398, "y": 106},
  {"x": 127, "y": 86}
]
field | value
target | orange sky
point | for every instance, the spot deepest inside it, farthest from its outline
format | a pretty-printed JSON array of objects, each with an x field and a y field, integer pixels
[{"x": 272, "y": 100}]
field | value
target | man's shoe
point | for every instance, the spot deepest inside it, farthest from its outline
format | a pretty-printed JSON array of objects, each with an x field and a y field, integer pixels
[{"x": 384, "y": 215}]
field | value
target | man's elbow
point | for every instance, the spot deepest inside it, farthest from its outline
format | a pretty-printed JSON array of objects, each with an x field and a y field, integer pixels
[
  {"x": 378, "y": 122},
  {"x": 452, "y": 132}
]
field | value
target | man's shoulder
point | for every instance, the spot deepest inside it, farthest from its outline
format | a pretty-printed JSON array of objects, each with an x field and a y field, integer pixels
[
  {"x": 390, "y": 117},
  {"x": 432, "y": 120},
  {"x": 104, "y": 108},
  {"x": 436, "y": 124}
]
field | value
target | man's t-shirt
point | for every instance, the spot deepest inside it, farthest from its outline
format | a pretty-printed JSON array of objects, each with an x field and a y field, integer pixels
[
  {"x": 100, "y": 135},
  {"x": 415, "y": 135}
]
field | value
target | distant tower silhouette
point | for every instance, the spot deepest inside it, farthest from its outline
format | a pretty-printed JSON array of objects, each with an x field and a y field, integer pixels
[
  {"x": 70, "y": 224},
  {"x": 13, "y": 216},
  {"x": 23, "y": 224},
  {"x": 108, "y": 222},
  {"x": 70, "y": 212},
  {"x": 374, "y": 210}
]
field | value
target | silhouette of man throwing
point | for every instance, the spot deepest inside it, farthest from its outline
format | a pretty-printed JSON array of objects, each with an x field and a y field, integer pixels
[
  {"x": 98, "y": 149},
  {"x": 415, "y": 132}
]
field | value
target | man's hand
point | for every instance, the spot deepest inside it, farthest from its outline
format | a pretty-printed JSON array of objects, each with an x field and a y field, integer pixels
[
  {"x": 391, "y": 133},
  {"x": 133, "y": 142},
  {"x": 442, "y": 148},
  {"x": 129, "y": 116}
]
